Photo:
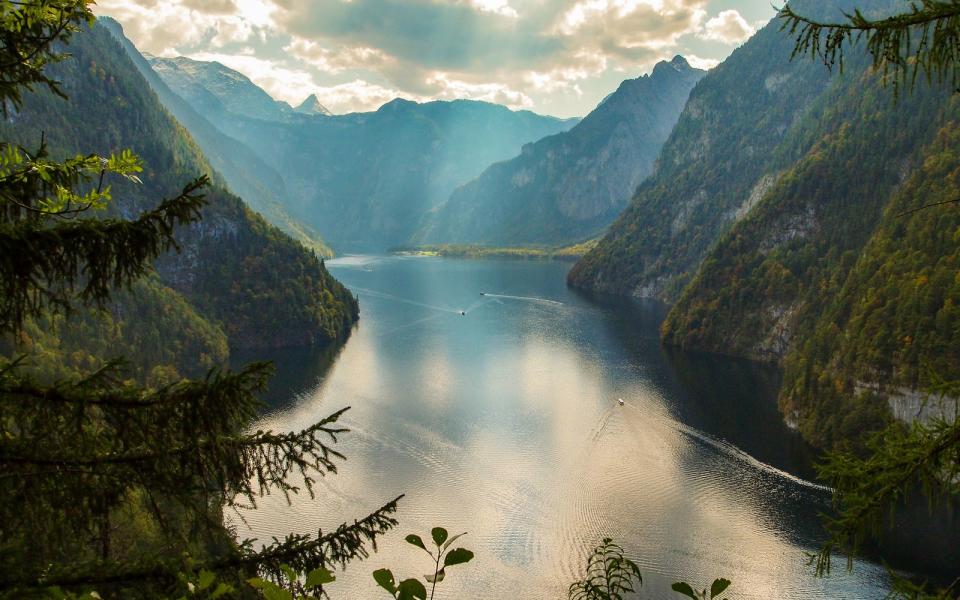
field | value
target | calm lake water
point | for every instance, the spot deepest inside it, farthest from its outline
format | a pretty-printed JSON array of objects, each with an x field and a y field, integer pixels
[{"x": 504, "y": 422}]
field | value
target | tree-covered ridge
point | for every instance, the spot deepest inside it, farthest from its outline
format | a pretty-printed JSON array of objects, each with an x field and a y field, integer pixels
[
  {"x": 241, "y": 274},
  {"x": 894, "y": 325},
  {"x": 769, "y": 278},
  {"x": 570, "y": 186},
  {"x": 731, "y": 138},
  {"x": 157, "y": 330}
]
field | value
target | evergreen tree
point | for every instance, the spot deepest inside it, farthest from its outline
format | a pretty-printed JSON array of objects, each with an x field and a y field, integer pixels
[{"x": 108, "y": 486}]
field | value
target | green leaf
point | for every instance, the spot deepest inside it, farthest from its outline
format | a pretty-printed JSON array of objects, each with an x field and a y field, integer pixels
[
  {"x": 270, "y": 590},
  {"x": 719, "y": 585},
  {"x": 384, "y": 578},
  {"x": 410, "y": 589},
  {"x": 222, "y": 590},
  {"x": 290, "y": 574},
  {"x": 206, "y": 579},
  {"x": 453, "y": 539},
  {"x": 457, "y": 557},
  {"x": 438, "y": 577},
  {"x": 439, "y": 535},
  {"x": 318, "y": 577},
  {"x": 417, "y": 541},
  {"x": 685, "y": 589}
]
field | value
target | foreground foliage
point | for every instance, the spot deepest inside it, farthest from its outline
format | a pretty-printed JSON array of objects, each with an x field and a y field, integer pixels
[{"x": 129, "y": 482}]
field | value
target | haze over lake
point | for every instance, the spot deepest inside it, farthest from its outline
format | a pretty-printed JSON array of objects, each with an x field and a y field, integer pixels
[{"x": 504, "y": 422}]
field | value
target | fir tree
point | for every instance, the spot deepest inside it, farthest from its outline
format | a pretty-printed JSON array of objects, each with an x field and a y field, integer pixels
[{"x": 88, "y": 463}]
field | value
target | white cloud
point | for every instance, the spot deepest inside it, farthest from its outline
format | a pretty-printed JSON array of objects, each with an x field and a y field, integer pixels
[
  {"x": 450, "y": 89},
  {"x": 728, "y": 27},
  {"x": 337, "y": 60},
  {"x": 562, "y": 54},
  {"x": 358, "y": 96},
  {"x": 699, "y": 62},
  {"x": 499, "y": 7}
]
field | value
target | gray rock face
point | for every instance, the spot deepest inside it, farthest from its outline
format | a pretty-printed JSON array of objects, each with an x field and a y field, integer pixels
[
  {"x": 570, "y": 186},
  {"x": 215, "y": 86}
]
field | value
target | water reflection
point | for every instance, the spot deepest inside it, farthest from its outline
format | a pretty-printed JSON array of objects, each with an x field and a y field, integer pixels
[{"x": 504, "y": 422}]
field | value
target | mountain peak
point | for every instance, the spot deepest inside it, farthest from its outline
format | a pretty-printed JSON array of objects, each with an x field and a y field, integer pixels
[
  {"x": 312, "y": 106},
  {"x": 677, "y": 64}
]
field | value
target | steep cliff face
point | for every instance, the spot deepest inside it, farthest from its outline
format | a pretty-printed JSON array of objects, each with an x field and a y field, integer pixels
[
  {"x": 236, "y": 271},
  {"x": 735, "y": 135},
  {"x": 570, "y": 186},
  {"x": 364, "y": 180}
]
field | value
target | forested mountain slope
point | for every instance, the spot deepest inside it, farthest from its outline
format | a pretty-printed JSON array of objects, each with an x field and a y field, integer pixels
[
  {"x": 820, "y": 267},
  {"x": 570, "y": 186},
  {"x": 243, "y": 171},
  {"x": 364, "y": 180},
  {"x": 236, "y": 275},
  {"x": 740, "y": 128}
]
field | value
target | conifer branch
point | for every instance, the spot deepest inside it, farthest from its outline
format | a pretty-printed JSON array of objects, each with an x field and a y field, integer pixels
[
  {"x": 925, "y": 39},
  {"x": 40, "y": 267}
]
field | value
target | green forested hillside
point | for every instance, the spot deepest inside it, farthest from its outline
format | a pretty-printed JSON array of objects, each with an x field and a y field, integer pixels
[
  {"x": 725, "y": 151},
  {"x": 772, "y": 274},
  {"x": 241, "y": 276},
  {"x": 894, "y": 325},
  {"x": 570, "y": 186},
  {"x": 772, "y": 223}
]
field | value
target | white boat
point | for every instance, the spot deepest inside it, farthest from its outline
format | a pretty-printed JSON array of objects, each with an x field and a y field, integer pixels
[{"x": 620, "y": 400}]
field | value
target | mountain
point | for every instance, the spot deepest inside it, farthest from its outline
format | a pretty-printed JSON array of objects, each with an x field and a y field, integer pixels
[
  {"x": 216, "y": 87},
  {"x": 774, "y": 223},
  {"x": 236, "y": 280},
  {"x": 364, "y": 180},
  {"x": 312, "y": 106},
  {"x": 572, "y": 185},
  {"x": 243, "y": 171}
]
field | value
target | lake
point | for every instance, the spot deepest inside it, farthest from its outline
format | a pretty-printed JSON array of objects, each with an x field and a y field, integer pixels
[{"x": 504, "y": 422}]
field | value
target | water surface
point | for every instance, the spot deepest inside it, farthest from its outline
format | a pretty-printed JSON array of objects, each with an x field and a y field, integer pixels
[{"x": 504, "y": 422}]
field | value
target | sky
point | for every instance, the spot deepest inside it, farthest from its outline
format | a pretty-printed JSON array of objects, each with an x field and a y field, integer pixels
[{"x": 558, "y": 57}]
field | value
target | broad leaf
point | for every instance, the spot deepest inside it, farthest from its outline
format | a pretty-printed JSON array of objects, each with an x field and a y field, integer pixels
[
  {"x": 318, "y": 577},
  {"x": 453, "y": 539},
  {"x": 222, "y": 590},
  {"x": 206, "y": 579},
  {"x": 384, "y": 578},
  {"x": 417, "y": 541},
  {"x": 411, "y": 589},
  {"x": 457, "y": 557},
  {"x": 685, "y": 589},
  {"x": 270, "y": 590},
  {"x": 719, "y": 585},
  {"x": 289, "y": 573},
  {"x": 439, "y": 535}
]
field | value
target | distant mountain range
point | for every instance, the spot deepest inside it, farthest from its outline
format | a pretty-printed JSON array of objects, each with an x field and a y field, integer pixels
[
  {"x": 242, "y": 169},
  {"x": 365, "y": 180},
  {"x": 570, "y": 186}
]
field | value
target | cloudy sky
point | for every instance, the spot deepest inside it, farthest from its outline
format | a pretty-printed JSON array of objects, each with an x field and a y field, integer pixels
[{"x": 557, "y": 57}]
